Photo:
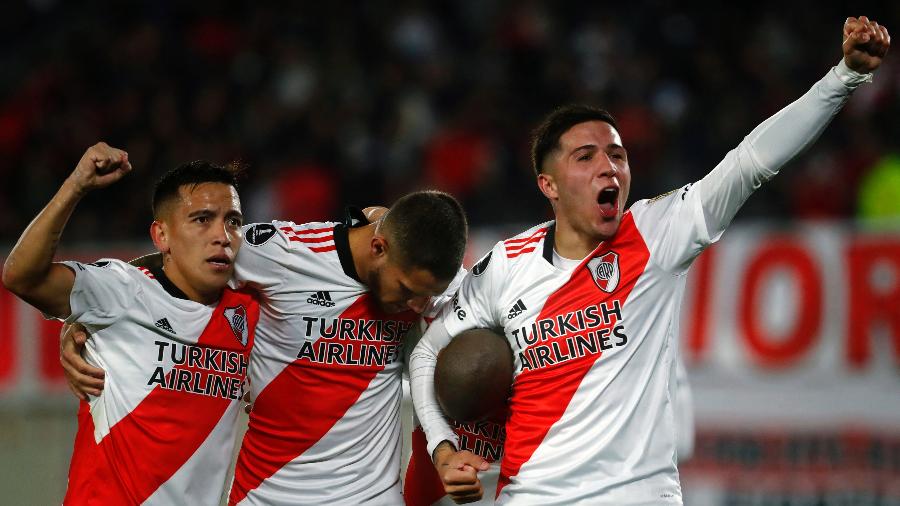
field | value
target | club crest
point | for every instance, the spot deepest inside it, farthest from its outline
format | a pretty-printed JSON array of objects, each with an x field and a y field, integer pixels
[
  {"x": 237, "y": 320},
  {"x": 605, "y": 271}
]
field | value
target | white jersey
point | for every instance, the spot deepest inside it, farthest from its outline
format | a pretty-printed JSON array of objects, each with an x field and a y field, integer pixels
[
  {"x": 163, "y": 429},
  {"x": 325, "y": 374},
  {"x": 591, "y": 414},
  {"x": 423, "y": 487}
]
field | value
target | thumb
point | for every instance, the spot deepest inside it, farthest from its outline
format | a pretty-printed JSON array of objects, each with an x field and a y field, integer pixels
[
  {"x": 79, "y": 336},
  {"x": 476, "y": 462}
]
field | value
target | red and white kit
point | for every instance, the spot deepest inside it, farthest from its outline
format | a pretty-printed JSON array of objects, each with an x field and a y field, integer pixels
[
  {"x": 592, "y": 419},
  {"x": 423, "y": 487},
  {"x": 163, "y": 429},
  {"x": 325, "y": 374}
]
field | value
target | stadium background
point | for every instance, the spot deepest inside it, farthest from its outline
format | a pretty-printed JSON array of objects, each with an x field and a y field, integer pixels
[{"x": 792, "y": 325}]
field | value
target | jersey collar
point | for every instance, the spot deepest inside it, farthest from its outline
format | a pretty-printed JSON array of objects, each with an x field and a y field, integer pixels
[
  {"x": 167, "y": 283},
  {"x": 354, "y": 217},
  {"x": 548, "y": 243}
]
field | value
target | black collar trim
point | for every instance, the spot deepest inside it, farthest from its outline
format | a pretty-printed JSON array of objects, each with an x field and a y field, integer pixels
[
  {"x": 167, "y": 284},
  {"x": 549, "y": 239},
  {"x": 354, "y": 217}
]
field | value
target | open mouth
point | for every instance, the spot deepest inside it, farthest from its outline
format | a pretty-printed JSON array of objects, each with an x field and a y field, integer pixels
[
  {"x": 219, "y": 261},
  {"x": 608, "y": 200}
]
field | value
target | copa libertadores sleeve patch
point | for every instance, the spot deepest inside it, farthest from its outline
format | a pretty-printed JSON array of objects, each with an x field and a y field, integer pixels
[
  {"x": 482, "y": 264},
  {"x": 259, "y": 234}
]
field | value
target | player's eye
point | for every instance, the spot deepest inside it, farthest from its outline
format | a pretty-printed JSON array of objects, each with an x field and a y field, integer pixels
[
  {"x": 235, "y": 222},
  {"x": 202, "y": 219},
  {"x": 585, "y": 157}
]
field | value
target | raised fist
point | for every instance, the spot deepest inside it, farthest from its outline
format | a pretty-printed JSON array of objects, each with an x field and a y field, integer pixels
[
  {"x": 101, "y": 165},
  {"x": 865, "y": 44}
]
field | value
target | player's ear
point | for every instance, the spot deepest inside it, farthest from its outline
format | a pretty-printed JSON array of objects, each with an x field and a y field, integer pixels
[
  {"x": 378, "y": 248},
  {"x": 159, "y": 234},
  {"x": 547, "y": 185}
]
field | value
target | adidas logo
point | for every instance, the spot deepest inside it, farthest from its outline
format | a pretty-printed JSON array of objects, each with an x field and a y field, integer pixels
[
  {"x": 320, "y": 299},
  {"x": 516, "y": 310},
  {"x": 164, "y": 324}
]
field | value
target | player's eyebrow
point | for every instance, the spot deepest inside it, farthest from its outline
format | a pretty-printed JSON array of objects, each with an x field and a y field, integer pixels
[
  {"x": 586, "y": 147},
  {"x": 617, "y": 147},
  {"x": 200, "y": 212}
]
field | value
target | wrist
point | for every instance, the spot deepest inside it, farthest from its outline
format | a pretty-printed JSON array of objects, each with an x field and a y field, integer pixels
[
  {"x": 73, "y": 188},
  {"x": 849, "y": 77},
  {"x": 444, "y": 449}
]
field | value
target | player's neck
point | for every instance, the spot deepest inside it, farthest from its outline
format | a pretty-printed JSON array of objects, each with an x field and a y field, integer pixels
[
  {"x": 176, "y": 278},
  {"x": 360, "y": 239},
  {"x": 573, "y": 244}
]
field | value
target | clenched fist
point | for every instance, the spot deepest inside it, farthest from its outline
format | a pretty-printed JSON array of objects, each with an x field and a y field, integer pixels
[
  {"x": 865, "y": 44},
  {"x": 100, "y": 166}
]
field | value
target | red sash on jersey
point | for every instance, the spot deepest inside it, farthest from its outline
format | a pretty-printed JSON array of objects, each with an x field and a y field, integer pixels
[
  {"x": 143, "y": 450},
  {"x": 541, "y": 396},
  {"x": 297, "y": 408}
]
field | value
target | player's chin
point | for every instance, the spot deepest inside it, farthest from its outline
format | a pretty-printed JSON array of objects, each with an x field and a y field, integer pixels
[
  {"x": 606, "y": 228},
  {"x": 218, "y": 275}
]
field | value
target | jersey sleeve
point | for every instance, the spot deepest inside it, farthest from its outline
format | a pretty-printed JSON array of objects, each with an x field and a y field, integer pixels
[
  {"x": 473, "y": 304},
  {"x": 679, "y": 225},
  {"x": 257, "y": 264},
  {"x": 471, "y": 307},
  {"x": 103, "y": 292}
]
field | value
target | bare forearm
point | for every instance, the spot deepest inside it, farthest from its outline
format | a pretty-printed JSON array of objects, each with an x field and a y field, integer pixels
[
  {"x": 29, "y": 263},
  {"x": 29, "y": 271}
]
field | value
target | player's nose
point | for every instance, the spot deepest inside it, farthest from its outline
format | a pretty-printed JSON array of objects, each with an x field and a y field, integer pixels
[
  {"x": 418, "y": 304},
  {"x": 221, "y": 234},
  {"x": 607, "y": 167}
]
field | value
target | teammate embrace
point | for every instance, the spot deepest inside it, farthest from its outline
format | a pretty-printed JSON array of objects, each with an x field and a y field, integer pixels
[{"x": 588, "y": 303}]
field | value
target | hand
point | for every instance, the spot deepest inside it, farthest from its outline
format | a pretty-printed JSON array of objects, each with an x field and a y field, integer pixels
[
  {"x": 865, "y": 44},
  {"x": 249, "y": 400},
  {"x": 100, "y": 166},
  {"x": 458, "y": 471},
  {"x": 83, "y": 378}
]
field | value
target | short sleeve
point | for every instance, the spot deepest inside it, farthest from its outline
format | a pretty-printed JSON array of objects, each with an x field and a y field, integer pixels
[
  {"x": 103, "y": 292},
  {"x": 256, "y": 264}
]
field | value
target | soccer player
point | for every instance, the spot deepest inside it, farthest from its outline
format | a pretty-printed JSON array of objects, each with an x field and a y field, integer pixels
[
  {"x": 174, "y": 342},
  {"x": 326, "y": 372},
  {"x": 589, "y": 303},
  {"x": 337, "y": 299}
]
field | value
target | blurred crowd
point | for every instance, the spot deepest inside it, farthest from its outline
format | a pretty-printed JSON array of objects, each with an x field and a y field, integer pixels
[{"x": 334, "y": 103}]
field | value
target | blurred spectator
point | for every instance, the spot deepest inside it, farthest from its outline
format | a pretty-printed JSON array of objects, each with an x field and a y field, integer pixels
[{"x": 388, "y": 96}]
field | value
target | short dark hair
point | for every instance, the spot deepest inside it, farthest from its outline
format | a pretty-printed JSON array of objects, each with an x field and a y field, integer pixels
[
  {"x": 193, "y": 173},
  {"x": 427, "y": 229},
  {"x": 545, "y": 138}
]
